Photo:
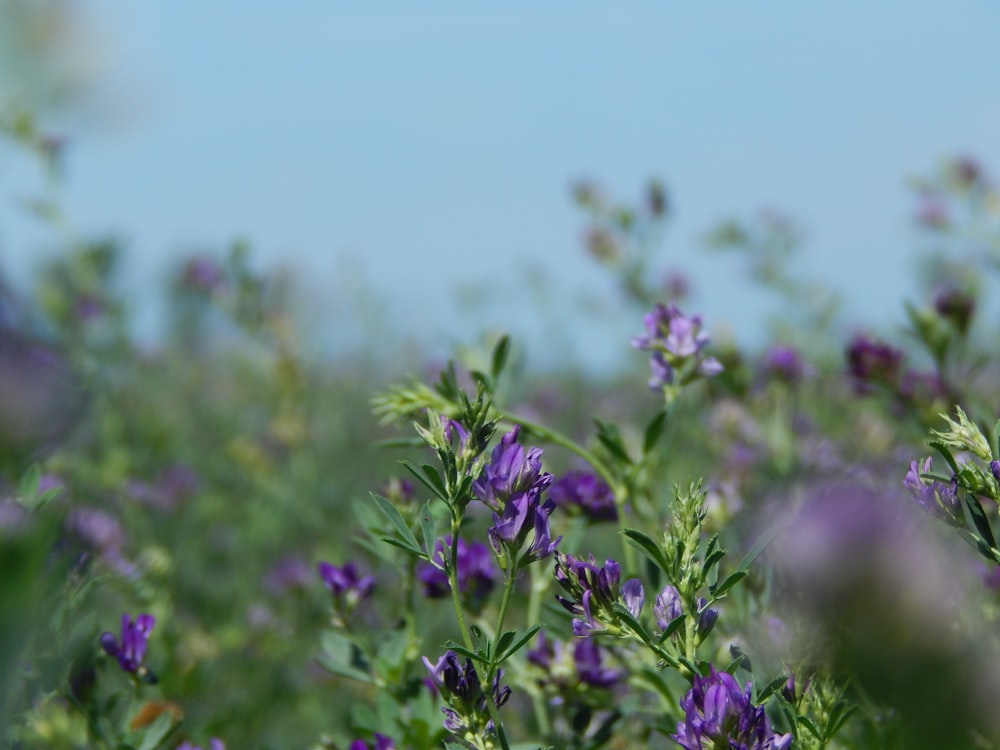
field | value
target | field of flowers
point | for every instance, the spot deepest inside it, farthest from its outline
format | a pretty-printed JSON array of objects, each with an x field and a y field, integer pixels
[{"x": 224, "y": 542}]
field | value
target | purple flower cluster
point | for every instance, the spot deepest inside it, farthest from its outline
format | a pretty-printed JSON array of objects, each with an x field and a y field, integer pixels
[
  {"x": 381, "y": 743},
  {"x": 873, "y": 362},
  {"x": 937, "y": 498},
  {"x": 460, "y": 687},
  {"x": 477, "y": 574},
  {"x": 512, "y": 484},
  {"x": 718, "y": 714},
  {"x": 784, "y": 363},
  {"x": 346, "y": 584},
  {"x": 587, "y": 492},
  {"x": 131, "y": 650},
  {"x": 593, "y": 593},
  {"x": 587, "y": 663},
  {"x": 668, "y": 606},
  {"x": 675, "y": 340}
]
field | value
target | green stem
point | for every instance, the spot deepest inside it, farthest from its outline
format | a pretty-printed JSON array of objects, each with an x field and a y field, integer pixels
[
  {"x": 538, "y": 586},
  {"x": 463, "y": 627}
]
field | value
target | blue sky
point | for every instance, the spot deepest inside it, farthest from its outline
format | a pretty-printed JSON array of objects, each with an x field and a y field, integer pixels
[{"x": 427, "y": 147}]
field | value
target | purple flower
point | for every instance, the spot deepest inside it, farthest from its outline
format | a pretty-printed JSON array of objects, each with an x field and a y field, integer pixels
[
  {"x": 593, "y": 593},
  {"x": 131, "y": 650},
  {"x": 784, "y": 363},
  {"x": 381, "y": 743},
  {"x": 521, "y": 515},
  {"x": 587, "y": 492},
  {"x": 288, "y": 573},
  {"x": 873, "y": 362},
  {"x": 589, "y": 669},
  {"x": 466, "y": 699},
  {"x": 675, "y": 341},
  {"x": 512, "y": 471},
  {"x": 213, "y": 744},
  {"x": 718, "y": 714},
  {"x": 955, "y": 305},
  {"x": 202, "y": 274},
  {"x": 667, "y": 607},
  {"x": 707, "y": 617},
  {"x": 939, "y": 499},
  {"x": 346, "y": 584},
  {"x": 477, "y": 572}
]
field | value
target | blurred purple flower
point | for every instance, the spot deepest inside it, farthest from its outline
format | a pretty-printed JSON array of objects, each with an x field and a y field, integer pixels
[
  {"x": 932, "y": 211},
  {"x": 937, "y": 498},
  {"x": 718, "y": 714},
  {"x": 587, "y": 492},
  {"x": 346, "y": 584},
  {"x": 477, "y": 573},
  {"x": 784, "y": 363},
  {"x": 167, "y": 490},
  {"x": 288, "y": 573},
  {"x": 213, "y": 744},
  {"x": 589, "y": 667},
  {"x": 381, "y": 743},
  {"x": 872, "y": 362},
  {"x": 202, "y": 274},
  {"x": 130, "y": 651},
  {"x": 955, "y": 305}
]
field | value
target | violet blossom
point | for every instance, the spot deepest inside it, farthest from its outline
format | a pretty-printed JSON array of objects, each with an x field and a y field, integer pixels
[
  {"x": 594, "y": 591},
  {"x": 477, "y": 573},
  {"x": 346, "y": 584},
  {"x": 675, "y": 341},
  {"x": 461, "y": 689},
  {"x": 717, "y": 713},
  {"x": 130, "y": 651},
  {"x": 587, "y": 492}
]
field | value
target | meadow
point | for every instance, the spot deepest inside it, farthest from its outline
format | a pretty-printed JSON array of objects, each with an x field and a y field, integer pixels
[{"x": 223, "y": 540}]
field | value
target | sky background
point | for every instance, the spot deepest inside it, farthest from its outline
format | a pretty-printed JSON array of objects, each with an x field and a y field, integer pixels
[{"x": 416, "y": 158}]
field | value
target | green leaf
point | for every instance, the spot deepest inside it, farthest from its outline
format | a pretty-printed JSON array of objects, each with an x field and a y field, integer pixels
[
  {"x": 945, "y": 452},
  {"x": 428, "y": 529},
  {"x": 503, "y": 642},
  {"x": 771, "y": 688},
  {"x": 28, "y": 486},
  {"x": 156, "y": 732},
  {"x": 672, "y": 627},
  {"x": 463, "y": 651},
  {"x": 759, "y": 546},
  {"x": 342, "y": 657},
  {"x": 731, "y": 580},
  {"x": 404, "y": 546},
  {"x": 982, "y": 523},
  {"x": 431, "y": 480},
  {"x": 398, "y": 523},
  {"x": 634, "y": 625},
  {"x": 838, "y": 717},
  {"x": 526, "y": 636},
  {"x": 611, "y": 439},
  {"x": 499, "y": 360},
  {"x": 648, "y": 547},
  {"x": 653, "y": 432}
]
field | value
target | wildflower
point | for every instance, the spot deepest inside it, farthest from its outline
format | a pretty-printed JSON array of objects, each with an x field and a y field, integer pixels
[
  {"x": 213, "y": 744},
  {"x": 718, "y": 714},
  {"x": 784, "y": 363},
  {"x": 131, "y": 651},
  {"x": 381, "y": 743},
  {"x": 202, "y": 275},
  {"x": 707, "y": 617},
  {"x": 594, "y": 591},
  {"x": 460, "y": 688},
  {"x": 676, "y": 341},
  {"x": 667, "y": 607},
  {"x": 521, "y": 515},
  {"x": 586, "y": 492},
  {"x": 589, "y": 668},
  {"x": 956, "y": 306},
  {"x": 872, "y": 362},
  {"x": 511, "y": 471},
  {"x": 477, "y": 573},
  {"x": 938, "y": 499},
  {"x": 287, "y": 574},
  {"x": 346, "y": 585}
]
